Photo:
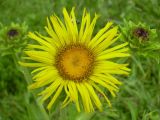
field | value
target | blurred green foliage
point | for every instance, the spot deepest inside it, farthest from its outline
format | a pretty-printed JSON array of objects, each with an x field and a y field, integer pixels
[{"x": 139, "y": 96}]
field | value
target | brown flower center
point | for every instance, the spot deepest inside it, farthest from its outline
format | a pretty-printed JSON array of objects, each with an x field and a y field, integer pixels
[
  {"x": 141, "y": 33},
  {"x": 12, "y": 32},
  {"x": 75, "y": 62}
]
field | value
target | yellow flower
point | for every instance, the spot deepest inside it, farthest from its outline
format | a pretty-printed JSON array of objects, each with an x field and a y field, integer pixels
[{"x": 73, "y": 63}]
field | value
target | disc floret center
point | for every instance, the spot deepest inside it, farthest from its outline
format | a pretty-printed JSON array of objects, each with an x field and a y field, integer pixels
[{"x": 75, "y": 62}]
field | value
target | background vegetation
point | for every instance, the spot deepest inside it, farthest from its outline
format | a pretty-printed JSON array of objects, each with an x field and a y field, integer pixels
[{"x": 139, "y": 96}]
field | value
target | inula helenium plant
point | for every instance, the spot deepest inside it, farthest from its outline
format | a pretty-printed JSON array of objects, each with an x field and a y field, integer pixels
[{"x": 74, "y": 62}]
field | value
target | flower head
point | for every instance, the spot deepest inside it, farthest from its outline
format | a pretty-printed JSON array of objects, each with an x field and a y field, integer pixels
[
  {"x": 143, "y": 40},
  {"x": 72, "y": 62},
  {"x": 13, "y": 38}
]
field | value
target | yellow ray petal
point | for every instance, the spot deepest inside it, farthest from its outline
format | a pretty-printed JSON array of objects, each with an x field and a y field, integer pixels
[
  {"x": 94, "y": 42},
  {"x": 74, "y": 93},
  {"x": 105, "y": 64},
  {"x": 86, "y": 27},
  {"x": 106, "y": 80},
  {"x": 37, "y": 47},
  {"x": 50, "y": 31},
  {"x": 111, "y": 66},
  {"x": 43, "y": 81},
  {"x": 40, "y": 40},
  {"x": 74, "y": 21},
  {"x": 112, "y": 55},
  {"x": 65, "y": 34},
  {"x": 83, "y": 23},
  {"x": 50, "y": 40},
  {"x": 87, "y": 103},
  {"x": 110, "y": 78},
  {"x": 102, "y": 93},
  {"x": 61, "y": 32},
  {"x": 94, "y": 96},
  {"x": 69, "y": 25},
  {"x": 113, "y": 49},
  {"x": 49, "y": 76},
  {"x": 50, "y": 89},
  {"x": 89, "y": 30},
  {"x": 112, "y": 71},
  {"x": 110, "y": 88},
  {"x": 39, "y": 69},
  {"x": 109, "y": 38},
  {"x": 66, "y": 101},
  {"x": 44, "y": 72},
  {"x": 31, "y": 64},
  {"x": 39, "y": 56},
  {"x": 58, "y": 92}
]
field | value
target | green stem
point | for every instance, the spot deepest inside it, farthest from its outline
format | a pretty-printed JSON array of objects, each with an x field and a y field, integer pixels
[{"x": 139, "y": 65}]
